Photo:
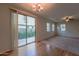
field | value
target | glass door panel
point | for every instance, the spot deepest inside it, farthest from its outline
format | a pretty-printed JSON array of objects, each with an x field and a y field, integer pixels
[
  {"x": 21, "y": 30},
  {"x": 30, "y": 29}
]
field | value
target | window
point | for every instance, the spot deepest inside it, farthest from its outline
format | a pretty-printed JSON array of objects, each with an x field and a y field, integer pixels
[
  {"x": 63, "y": 27},
  {"x": 53, "y": 27},
  {"x": 48, "y": 27}
]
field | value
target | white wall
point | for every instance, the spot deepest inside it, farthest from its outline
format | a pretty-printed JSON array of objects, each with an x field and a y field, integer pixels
[
  {"x": 72, "y": 29},
  {"x": 41, "y": 29},
  {"x": 5, "y": 28},
  {"x": 5, "y": 41}
]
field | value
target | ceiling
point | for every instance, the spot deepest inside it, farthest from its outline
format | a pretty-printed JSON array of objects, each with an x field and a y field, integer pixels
[{"x": 55, "y": 11}]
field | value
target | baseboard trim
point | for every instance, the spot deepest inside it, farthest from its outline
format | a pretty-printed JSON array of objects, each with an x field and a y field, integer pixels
[
  {"x": 70, "y": 37},
  {"x": 46, "y": 38},
  {"x": 6, "y": 53}
]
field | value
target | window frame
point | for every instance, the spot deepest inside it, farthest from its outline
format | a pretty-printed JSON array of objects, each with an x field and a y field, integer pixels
[
  {"x": 53, "y": 27},
  {"x": 48, "y": 28},
  {"x": 63, "y": 27}
]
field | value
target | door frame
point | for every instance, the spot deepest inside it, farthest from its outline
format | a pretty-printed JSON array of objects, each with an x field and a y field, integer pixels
[{"x": 16, "y": 27}]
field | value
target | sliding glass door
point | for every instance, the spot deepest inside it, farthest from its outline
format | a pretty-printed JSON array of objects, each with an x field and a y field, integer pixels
[
  {"x": 30, "y": 29},
  {"x": 26, "y": 29},
  {"x": 21, "y": 30}
]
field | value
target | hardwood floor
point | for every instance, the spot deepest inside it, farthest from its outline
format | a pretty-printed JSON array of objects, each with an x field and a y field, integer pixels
[{"x": 47, "y": 48}]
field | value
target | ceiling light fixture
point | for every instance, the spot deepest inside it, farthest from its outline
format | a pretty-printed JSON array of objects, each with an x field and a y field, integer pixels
[
  {"x": 37, "y": 7},
  {"x": 67, "y": 18}
]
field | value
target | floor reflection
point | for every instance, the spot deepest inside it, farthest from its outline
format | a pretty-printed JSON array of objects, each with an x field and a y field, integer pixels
[
  {"x": 34, "y": 49},
  {"x": 45, "y": 48}
]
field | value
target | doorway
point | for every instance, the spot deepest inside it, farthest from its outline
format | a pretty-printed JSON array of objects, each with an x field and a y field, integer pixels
[{"x": 26, "y": 30}]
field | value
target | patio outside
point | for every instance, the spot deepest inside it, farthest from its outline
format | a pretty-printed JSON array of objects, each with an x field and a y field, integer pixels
[{"x": 23, "y": 41}]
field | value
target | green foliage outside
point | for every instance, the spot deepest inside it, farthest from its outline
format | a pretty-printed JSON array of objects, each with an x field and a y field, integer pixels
[{"x": 24, "y": 34}]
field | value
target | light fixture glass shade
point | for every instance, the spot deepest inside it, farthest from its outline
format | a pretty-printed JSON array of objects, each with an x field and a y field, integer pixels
[
  {"x": 67, "y": 18},
  {"x": 37, "y": 7}
]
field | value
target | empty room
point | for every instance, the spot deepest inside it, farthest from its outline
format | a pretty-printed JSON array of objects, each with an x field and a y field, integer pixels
[{"x": 39, "y": 29}]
